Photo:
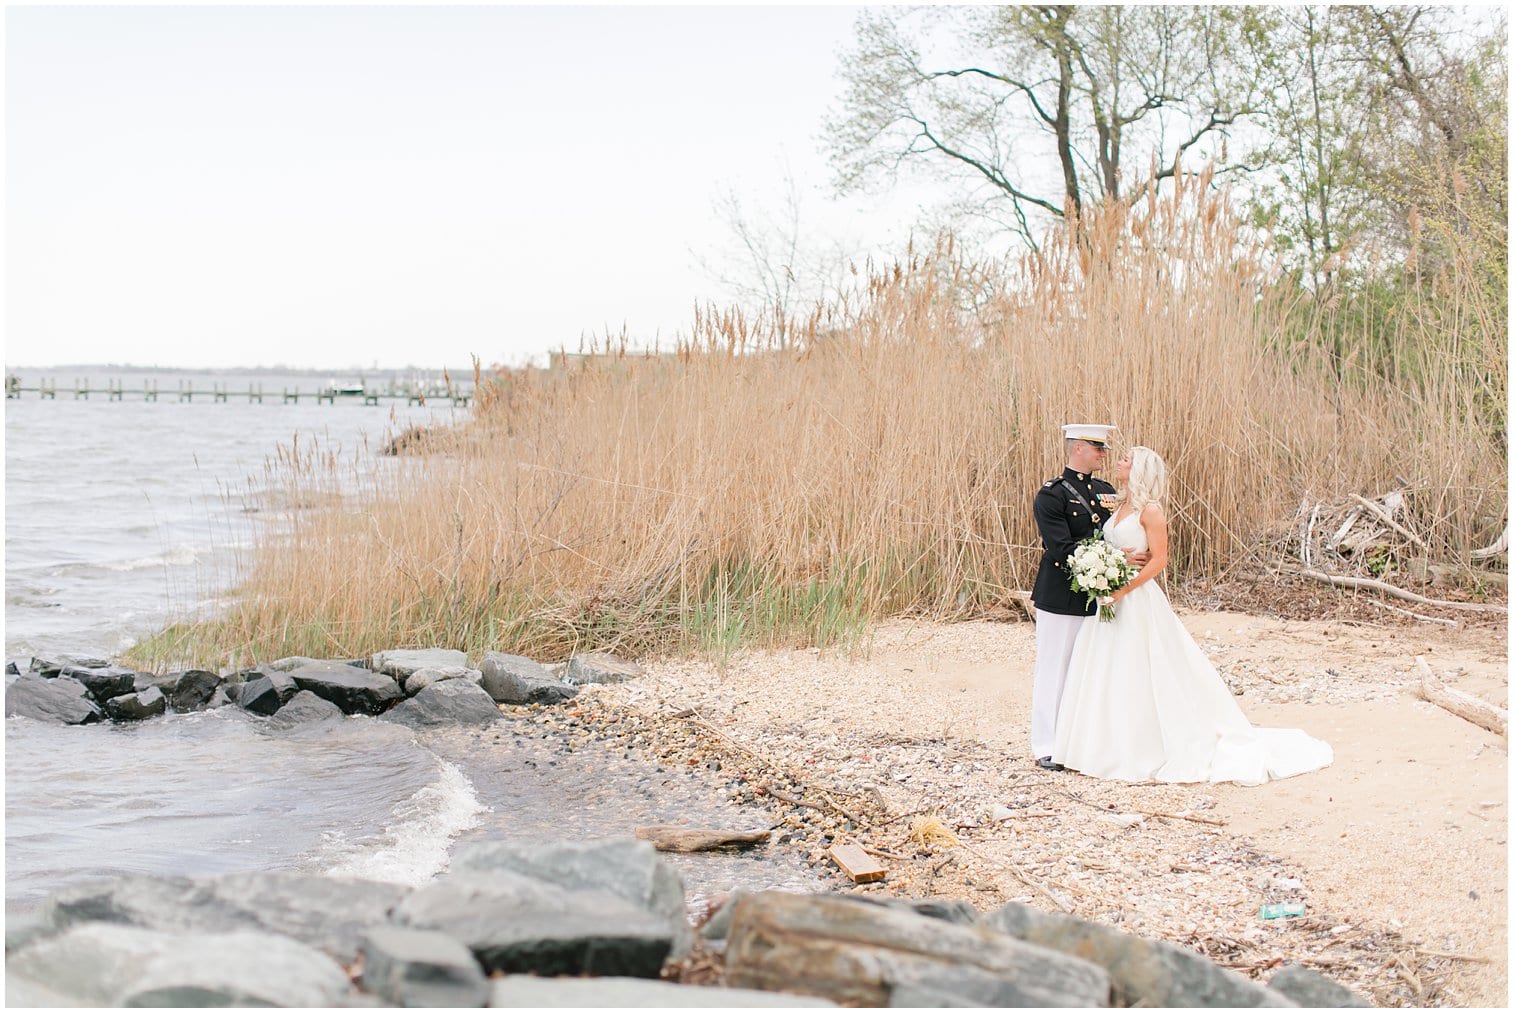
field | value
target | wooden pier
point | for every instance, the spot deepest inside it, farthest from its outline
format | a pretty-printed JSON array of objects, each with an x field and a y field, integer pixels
[{"x": 115, "y": 390}]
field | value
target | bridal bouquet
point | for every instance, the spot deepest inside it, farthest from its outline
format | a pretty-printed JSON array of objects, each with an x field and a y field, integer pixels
[{"x": 1098, "y": 570}]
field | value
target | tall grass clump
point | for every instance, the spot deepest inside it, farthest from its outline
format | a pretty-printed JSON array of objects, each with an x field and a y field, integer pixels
[{"x": 781, "y": 481}]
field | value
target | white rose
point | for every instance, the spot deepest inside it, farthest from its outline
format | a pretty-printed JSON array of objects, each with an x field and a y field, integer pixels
[{"x": 1100, "y": 583}]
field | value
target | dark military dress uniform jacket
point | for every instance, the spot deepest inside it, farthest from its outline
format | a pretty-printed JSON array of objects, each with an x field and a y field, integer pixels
[{"x": 1064, "y": 520}]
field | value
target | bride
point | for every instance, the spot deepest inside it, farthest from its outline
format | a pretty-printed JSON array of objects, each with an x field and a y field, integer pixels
[{"x": 1142, "y": 703}]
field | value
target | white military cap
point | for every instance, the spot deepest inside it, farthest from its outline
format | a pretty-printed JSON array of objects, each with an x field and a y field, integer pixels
[{"x": 1090, "y": 433}]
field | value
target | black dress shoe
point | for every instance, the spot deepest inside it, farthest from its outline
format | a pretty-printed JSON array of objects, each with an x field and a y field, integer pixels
[{"x": 1046, "y": 763}]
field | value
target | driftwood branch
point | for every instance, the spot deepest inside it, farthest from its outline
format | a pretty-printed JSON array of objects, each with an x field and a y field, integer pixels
[
  {"x": 685, "y": 839},
  {"x": 1386, "y": 518},
  {"x": 1497, "y": 548},
  {"x": 1397, "y": 592},
  {"x": 1415, "y": 615},
  {"x": 1463, "y": 705},
  {"x": 783, "y": 796}
]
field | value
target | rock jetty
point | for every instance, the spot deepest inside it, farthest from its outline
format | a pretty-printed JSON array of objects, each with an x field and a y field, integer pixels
[
  {"x": 418, "y": 688},
  {"x": 585, "y": 923}
]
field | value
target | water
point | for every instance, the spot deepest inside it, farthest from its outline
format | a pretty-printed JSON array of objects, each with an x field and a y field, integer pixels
[{"x": 121, "y": 516}]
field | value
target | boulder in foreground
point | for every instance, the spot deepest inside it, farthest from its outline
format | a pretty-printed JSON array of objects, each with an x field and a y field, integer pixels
[
  {"x": 510, "y": 678},
  {"x": 516, "y": 924},
  {"x": 423, "y": 677},
  {"x": 304, "y": 708},
  {"x": 149, "y": 703},
  {"x": 627, "y": 869},
  {"x": 330, "y": 914},
  {"x": 413, "y": 967},
  {"x": 265, "y": 694},
  {"x": 1145, "y": 972},
  {"x": 354, "y": 690},
  {"x": 103, "y": 682},
  {"x": 600, "y": 668},
  {"x": 400, "y": 665},
  {"x": 867, "y": 954},
  {"x": 60, "y": 701},
  {"x": 451, "y": 702},
  {"x": 122, "y": 965}
]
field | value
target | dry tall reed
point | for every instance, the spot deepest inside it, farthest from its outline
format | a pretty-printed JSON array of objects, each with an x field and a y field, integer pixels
[{"x": 788, "y": 481}]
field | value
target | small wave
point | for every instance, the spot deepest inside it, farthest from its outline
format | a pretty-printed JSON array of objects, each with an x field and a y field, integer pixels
[
  {"x": 414, "y": 847},
  {"x": 182, "y": 556}
]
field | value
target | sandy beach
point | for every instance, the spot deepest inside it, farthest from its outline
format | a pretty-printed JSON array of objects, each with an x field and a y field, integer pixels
[{"x": 915, "y": 745}]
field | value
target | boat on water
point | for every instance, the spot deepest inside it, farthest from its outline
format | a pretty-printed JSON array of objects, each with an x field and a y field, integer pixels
[{"x": 334, "y": 389}]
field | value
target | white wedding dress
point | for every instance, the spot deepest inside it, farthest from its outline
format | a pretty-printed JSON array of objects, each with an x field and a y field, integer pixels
[{"x": 1142, "y": 703}]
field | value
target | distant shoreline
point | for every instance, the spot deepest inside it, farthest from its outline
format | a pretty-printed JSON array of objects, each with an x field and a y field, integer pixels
[{"x": 100, "y": 367}]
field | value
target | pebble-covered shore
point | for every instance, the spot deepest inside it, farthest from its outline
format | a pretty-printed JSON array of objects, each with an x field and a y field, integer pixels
[{"x": 844, "y": 749}]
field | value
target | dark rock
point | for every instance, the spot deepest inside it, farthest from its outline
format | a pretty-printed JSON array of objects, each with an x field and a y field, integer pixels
[
  {"x": 102, "y": 683},
  {"x": 304, "y": 708},
  {"x": 1312, "y": 990},
  {"x": 192, "y": 690},
  {"x": 44, "y": 668},
  {"x": 136, "y": 706},
  {"x": 268, "y": 692},
  {"x": 513, "y": 923},
  {"x": 600, "y": 668},
  {"x": 11, "y": 668},
  {"x": 62, "y": 701},
  {"x": 417, "y": 968},
  {"x": 121, "y": 965},
  {"x": 423, "y": 677},
  {"x": 354, "y": 690},
  {"x": 522, "y": 991},
  {"x": 453, "y": 702},
  {"x": 329, "y": 914},
  {"x": 50, "y": 669},
  {"x": 509, "y": 678},
  {"x": 403, "y": 664},
  {"x": 221, "y": 697},
  {"x": 628, "y": 869},
  {"x": 860, "y": 954},
  {"x": 1144, "y": 971},
  {"x": 186, "y": 691}
]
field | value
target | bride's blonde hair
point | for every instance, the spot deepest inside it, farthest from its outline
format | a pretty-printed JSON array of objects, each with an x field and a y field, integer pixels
[{"x": 1147, "y": 479}]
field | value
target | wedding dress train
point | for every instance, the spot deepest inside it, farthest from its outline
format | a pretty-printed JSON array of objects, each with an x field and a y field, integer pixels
[{"x": 1142, "y": 703}]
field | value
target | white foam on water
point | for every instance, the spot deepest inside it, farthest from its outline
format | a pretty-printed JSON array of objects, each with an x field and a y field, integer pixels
[
  {"x": 181, "y": 556},
  {"x": 414, "y": 847}
]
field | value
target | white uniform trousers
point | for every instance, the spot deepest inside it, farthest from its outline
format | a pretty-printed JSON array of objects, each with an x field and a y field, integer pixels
[{"x": 1054, "y": 637}]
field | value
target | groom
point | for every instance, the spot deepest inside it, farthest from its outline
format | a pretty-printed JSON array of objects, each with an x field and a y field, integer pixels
[{"x": 1068, "y": 509}]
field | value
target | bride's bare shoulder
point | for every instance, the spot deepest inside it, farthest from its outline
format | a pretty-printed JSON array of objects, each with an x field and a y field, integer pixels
[{"x": 1152, "y": 513}]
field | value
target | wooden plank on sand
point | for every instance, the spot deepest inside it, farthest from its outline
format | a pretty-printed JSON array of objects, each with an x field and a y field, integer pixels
[{"x": 856, "y": 863}]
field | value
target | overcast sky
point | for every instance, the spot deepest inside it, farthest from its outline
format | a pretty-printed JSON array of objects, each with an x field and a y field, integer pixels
[{"x": 351, "y": 186}]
